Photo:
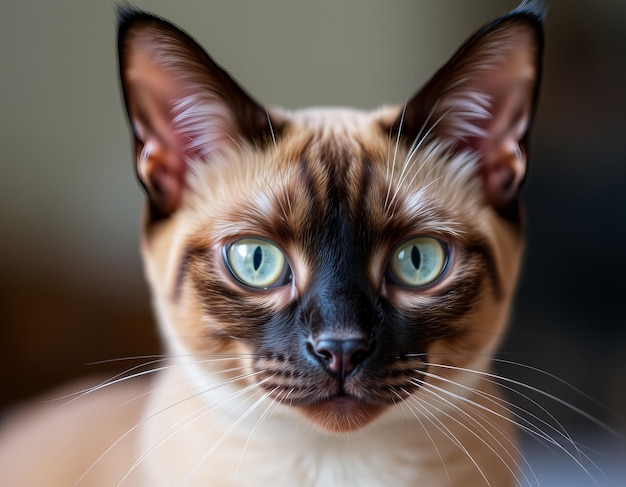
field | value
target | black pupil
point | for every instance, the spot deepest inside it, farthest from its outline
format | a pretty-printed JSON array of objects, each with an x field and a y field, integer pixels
[
  {"x": 416, "y": 258},
  {"x": 257, "y": 258}
]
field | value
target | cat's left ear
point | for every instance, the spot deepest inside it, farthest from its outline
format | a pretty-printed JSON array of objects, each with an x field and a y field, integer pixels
[
  {"x": 484, "y": 98},
  {"x": 181, "y": 106}
]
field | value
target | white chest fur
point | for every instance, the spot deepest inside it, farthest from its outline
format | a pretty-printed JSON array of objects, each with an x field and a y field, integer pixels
[{"x": 249, "y": 441}]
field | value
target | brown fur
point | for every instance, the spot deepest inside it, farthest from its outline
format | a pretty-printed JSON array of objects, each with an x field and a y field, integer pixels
[{"x": 337, "y": 191}]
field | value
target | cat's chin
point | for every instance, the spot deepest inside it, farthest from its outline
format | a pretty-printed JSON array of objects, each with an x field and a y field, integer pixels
[{"x": 341, "y": 414}]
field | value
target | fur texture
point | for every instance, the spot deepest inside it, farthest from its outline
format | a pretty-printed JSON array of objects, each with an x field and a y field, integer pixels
[{"x": 337, "y": 372}]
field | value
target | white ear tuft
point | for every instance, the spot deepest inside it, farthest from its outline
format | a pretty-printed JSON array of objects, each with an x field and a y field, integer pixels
[
  {"x": 181, "y": 105},
  {"x": 483, "y": 100}
]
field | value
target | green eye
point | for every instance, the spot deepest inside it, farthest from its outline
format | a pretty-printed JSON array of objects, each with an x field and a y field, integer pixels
[
  {"x": 417, "y": 262},
  {"x": 257, "y": 263}
]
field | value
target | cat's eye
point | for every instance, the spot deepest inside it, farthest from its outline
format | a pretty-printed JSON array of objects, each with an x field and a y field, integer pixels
[
  {"x": 417, "y": 262},
  {"x": 257, "y": 263}
]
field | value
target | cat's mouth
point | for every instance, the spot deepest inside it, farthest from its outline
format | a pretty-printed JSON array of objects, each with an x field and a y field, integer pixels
[
  {"x": 341, "y": 404},
  {"x": 342, "y": 412}
]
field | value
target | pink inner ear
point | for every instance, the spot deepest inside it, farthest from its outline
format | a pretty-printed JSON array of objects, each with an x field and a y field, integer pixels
[
  {"x": 486, "y": 105},
  {"x": 174, "y": 94},
  {"x": 502, "y": 146},
  {"x": 177, "y": 107}
]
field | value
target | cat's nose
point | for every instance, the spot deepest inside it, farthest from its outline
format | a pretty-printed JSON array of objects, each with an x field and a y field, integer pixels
[{"x": 341, "y": 356}]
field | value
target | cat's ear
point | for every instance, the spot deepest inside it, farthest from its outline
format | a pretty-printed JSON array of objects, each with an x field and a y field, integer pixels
[
  {"x": 181, "y": 105},
  {"x": 483, "y": 99}
]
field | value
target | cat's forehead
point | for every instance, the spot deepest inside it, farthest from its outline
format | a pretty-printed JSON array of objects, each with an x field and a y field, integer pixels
[
  {"x": 343, "y": 160},
  {"x": 359, "y": 130},
  {"x": 334, "y": 121},
  {"x": 353, "y": 154}
]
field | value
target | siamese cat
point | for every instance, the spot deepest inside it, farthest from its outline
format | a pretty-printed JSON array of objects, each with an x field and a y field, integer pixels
[{"x": 330, "y": 284}]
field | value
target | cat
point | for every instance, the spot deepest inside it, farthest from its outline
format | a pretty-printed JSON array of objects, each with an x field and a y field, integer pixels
[{"x": 330, "y": 284}]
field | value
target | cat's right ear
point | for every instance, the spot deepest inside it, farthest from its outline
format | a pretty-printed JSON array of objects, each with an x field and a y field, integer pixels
[{"x": 181, "y": 106}]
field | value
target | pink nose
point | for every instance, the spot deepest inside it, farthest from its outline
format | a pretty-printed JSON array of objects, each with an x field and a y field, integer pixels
[{"x": 341, "y": 357}]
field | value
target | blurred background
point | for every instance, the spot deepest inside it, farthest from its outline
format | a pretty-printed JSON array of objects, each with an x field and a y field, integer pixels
[{"x": 71, "y": 285}]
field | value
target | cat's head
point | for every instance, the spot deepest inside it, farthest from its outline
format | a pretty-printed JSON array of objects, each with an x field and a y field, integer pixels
[{"x": 339, "y": 261}]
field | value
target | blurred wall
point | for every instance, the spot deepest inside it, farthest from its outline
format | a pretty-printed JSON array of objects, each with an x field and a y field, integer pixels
[{"x": 71, "y": 285}]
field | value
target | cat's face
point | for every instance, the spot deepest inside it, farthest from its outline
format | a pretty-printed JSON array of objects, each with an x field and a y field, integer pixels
[{"x": 340, "y": 261}]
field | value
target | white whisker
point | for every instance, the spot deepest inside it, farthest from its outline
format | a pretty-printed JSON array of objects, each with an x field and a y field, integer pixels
[
  {"x": 538, "y": 391},
  {"x": 272, "y": 405},
  {"x": 137, "y": 426},
  {"x": 269, "y": 122},
  {"x": 395, "y": 154},
  {"x": 412, "y": 152},
  {"x": 189, "y": 419},
  {"x": 432, "y": 441},
  {"x": 533, "y": 430},
  {"x": 562, "y": 381},
  {"x": 451, "y": 436},
  {"x": 221, "y": 439},
  {"x": 466, "y": 413},
  {"x": 512, "y": 408}
]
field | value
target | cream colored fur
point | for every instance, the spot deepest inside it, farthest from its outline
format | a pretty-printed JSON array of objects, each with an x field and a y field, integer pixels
[
  {"x": 200, "y": 418},
  {"x": 180, "y": 436}
]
